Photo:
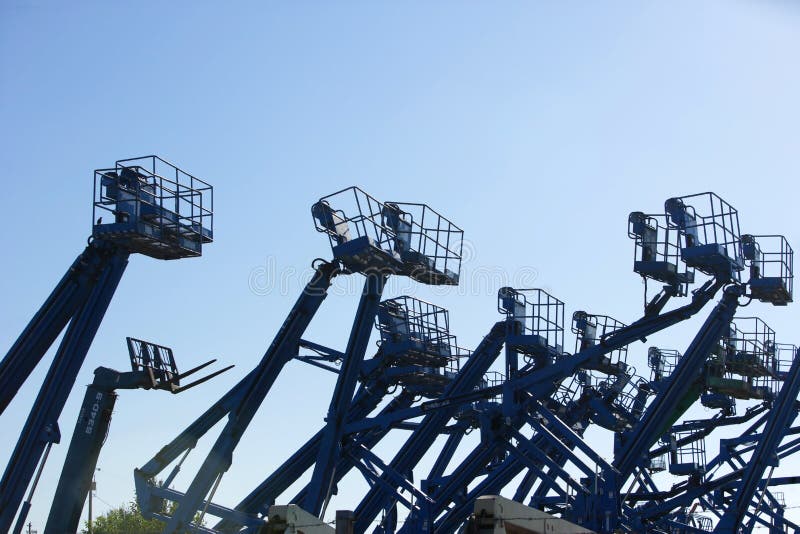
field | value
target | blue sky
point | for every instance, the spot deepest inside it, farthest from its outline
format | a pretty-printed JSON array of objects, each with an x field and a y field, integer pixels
[{"x": 537, "y": 127}]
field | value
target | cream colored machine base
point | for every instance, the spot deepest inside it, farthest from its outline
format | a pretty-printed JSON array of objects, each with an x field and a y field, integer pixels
[
  {"x": 498, "y": 515},
  {"x": 291, "y": 519}
]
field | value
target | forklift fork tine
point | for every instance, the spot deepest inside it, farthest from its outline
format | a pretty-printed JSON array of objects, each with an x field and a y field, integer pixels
[
  {"x": 201, "y": 380},
  {"x": 183, "y": 375}
]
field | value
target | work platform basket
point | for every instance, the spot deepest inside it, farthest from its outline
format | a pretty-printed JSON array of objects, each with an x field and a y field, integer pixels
[
  {"x": 657, "y": 464},
  {"x": 657, "y": 252},
  {"x": 687, "y": 521},
  {"x": 398, "y": 238},
  {"x": 662, "y": 362},
  {"x": 719, "y": 401},
  {"x": 590, "y": 329},
  {"x": 572, "y": 388},
  {"x": 617, "y": 401},
  {"x": 744, "y": 365},
  {"x": 473, "y": 411},
  {"x": 753, "y": 348},
  {"x": 687, "y": 454},
  {"x": 785, "y": 353},
  {"x": 711, "y": 234},
  {"x": 416, "y": 341},
  {"x": 770, "y": 259},
  {"x": 535, "y": 323},
  {"x": 633, "y": 394},
  {"x": 414, "y": 331},
  {"x": 150, "y": 206}
]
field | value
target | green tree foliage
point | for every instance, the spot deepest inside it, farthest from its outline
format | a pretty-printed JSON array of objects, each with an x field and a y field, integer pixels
[{"x": 126, "y": 520}]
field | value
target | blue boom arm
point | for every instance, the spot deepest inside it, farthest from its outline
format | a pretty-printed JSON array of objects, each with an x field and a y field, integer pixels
[
  {"x": 41, "y": 428},
  {"x": 69, "y": 294},
  {"x": 323, "y": 477},
  {"x": 239, "y": 404},
  {"x": 635, "y": 443},
  {"x": 365, "y": 401}
]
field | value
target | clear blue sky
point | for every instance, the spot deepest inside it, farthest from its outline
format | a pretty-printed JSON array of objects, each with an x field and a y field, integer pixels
[{"x": 537, "y": 127}]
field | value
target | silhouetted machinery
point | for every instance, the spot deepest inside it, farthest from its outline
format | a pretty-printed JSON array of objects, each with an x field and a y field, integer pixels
[
  {"x": 530, "y": 401},
  {"x": 150, "y": 207}
]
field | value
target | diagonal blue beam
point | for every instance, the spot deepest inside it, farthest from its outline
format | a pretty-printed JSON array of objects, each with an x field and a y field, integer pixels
[
  {"x": 781, "y": 416},
  {"x": 637, "y": 441},
  {"x": 251, "y": 393},
  {"x": 417, "y": 445},
  {"x": 324, "y": 475},
  {"x": 41, "y": 427}
]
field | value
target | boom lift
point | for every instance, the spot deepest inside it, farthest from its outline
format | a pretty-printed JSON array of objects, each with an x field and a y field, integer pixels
[
  {"x": 416, "y": 352},
  {"x": 151, "y": 207},
  {"x": 537, "y": 383},
  {"x": 557, "y": 394},
  {"x": 647, "y": 508},
  {"x": 152, "y": 367},
  {"x": 764, "y": 456},
  {"x": 706, "y": 477},
  {"x": 368, "y": 237},
  {"x": 713, "y": 246},
  {"x": 575, "y": 403},
  {"x": 718, "y": 260},
  {"x": 715, "y": 490},
  {"x": 532, "y": 413},
  {"x": 706, "y": 240},
  {"x": 544, "y": 454}
]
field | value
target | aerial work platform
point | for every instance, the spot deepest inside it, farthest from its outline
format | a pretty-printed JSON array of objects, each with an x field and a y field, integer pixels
[
  {"x": 416, "y": 343},
  {"x": 532, "y": 406},
  {"x": 400, "y": 238},
  {"x": 711, "y": 228},
  {"x": 535, "y": 323},
  {"x": 771, "y": 269},
  {"x": 140, "y": 206},
  {"x": 153, "y": 207},
  {"x": 657, "y": 254}
]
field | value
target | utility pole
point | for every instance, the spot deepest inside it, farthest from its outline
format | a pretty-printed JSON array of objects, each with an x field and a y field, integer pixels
[
  {"x": 30, "y": 530},
  {"x": 91, "y": 491}
]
